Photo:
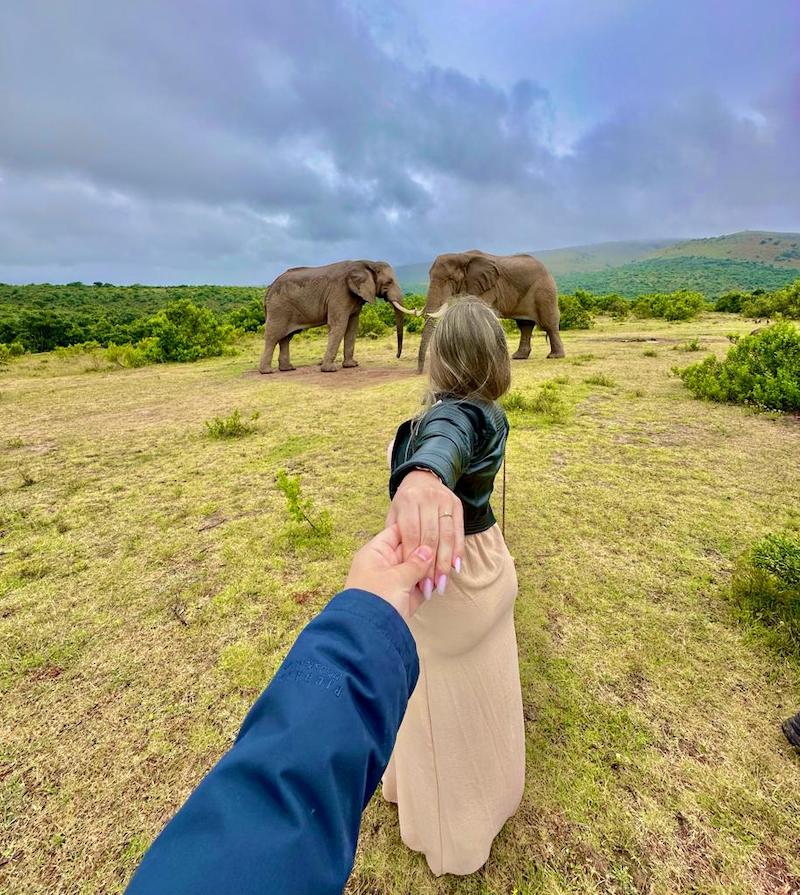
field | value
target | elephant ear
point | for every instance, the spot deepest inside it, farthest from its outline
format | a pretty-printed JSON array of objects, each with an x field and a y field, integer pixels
[
  {"x": 482, "y": 274},
  {"x": 361, "y": 282}
]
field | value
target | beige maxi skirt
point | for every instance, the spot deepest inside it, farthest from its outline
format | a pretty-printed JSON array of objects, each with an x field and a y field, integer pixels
[{"x": 458, "y": 767}]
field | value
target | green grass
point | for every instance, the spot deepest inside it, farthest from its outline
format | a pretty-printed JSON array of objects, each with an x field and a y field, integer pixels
[{"x": 149, "y": 589}]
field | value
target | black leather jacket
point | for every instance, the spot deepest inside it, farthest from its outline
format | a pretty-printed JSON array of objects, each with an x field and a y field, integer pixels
[{"x": 463, "y": 442}]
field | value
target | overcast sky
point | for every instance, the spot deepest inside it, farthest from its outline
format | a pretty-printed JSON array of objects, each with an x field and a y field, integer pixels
[{"x": 198, "y": 141}]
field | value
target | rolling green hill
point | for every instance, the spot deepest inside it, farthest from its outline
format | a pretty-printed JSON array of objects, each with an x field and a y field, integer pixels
[
  {"x": 601, "y": 256},
  {"x": 711, "y": 276},
  {"x": 747, "y": 260},
  {"x": 778, "y": 249}
]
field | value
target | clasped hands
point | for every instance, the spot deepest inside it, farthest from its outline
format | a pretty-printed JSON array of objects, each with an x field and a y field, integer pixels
[{"x": 422, "y": 544}]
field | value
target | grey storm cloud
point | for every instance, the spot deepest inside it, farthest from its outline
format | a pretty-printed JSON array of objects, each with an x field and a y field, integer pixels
[{"x": 189, "y": 142}]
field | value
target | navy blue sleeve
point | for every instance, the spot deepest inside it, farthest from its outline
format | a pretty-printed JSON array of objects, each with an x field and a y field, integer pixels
[{"x": 281, "y": 810}]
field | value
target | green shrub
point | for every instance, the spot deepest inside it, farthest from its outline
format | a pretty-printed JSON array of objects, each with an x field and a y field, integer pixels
[
  {"x": 783, "y": 304},
  {"x": 371, "y": 322},
  {"x": 514, "y": 400},
  {"x": 600, "y": 379},
  {"x": 11, "y": 351},
  {"x": 681, "y": 305},
  {"x": 249, "y": 317},
  {"x": 143, "y": 352},
  {"x": 232, "y": 426},
  {"x": 766, "y": 589},
  {"x": 779, "y": 554},
  {"x": 185, "y": 331},
  {"x": 730, "y": 302},
  {"x": 762, "y": 369},
  {"x": 305, "y": 519},
  {"x": 611, "y": 304},
  {"x": 76, "y": 349},
  {"x": 650, "y": 352},
  {"x": 691, "y": 345},
  {"x": 547, "y": 402},
  {"x": 573, "y": 314}
]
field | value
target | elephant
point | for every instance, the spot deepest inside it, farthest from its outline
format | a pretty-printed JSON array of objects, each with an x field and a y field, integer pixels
[
  {"x": 515, "y": 286},
  {"x": 302, "y": 297}
]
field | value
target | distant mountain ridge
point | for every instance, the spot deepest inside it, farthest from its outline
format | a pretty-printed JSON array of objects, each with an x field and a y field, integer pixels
[{"x": 712, "y": 264}]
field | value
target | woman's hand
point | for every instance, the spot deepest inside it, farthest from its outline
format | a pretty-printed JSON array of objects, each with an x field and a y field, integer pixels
[
  {"x": 427, "y": 512},
  {"x": 378, "y": 567}
]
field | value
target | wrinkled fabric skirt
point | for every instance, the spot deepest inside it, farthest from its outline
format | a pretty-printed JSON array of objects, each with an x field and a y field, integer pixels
[{"x": 458, "y": 767}]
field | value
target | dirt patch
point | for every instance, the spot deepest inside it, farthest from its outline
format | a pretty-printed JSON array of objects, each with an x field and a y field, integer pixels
[
  {"x": 47, "y": 673},
  {"x": 775, "y": 878},
  {"x": 644, "y": 339},
  {"x": 349, "y": 377},
  {"x": 302, "y": 597}
]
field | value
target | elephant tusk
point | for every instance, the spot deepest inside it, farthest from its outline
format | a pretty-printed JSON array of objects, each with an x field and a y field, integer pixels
[
  {"x": 413, "y": 312},
  {"x": 437, "y": 313}
]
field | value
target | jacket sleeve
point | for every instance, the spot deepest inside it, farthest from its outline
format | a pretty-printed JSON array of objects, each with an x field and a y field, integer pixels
[
  {"x": 444, "y": 442},
  {"x": 280, "y": 812}
]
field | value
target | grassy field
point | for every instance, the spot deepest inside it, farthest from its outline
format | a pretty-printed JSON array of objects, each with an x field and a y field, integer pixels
[{"x": 150, "y": 584}]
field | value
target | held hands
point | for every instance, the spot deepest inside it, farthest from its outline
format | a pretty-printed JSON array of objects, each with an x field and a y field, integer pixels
[
  {"x": 426, "y": 512},
  {"x": 379, "y": 567}
]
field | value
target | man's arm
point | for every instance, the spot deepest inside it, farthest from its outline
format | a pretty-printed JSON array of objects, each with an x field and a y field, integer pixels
[{"x": 281, "y": 810}]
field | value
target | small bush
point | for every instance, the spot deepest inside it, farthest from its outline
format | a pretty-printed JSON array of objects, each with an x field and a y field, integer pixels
[
  {"x": 371, "y": 322},
  {"x": 129, "y": 356},
  {"x": 761, "y": 370},
  {"x": 612, "y": 305},
  {"x": 306, "y": 521},
  {"x": 547, "y": 402},
  {"x": 10, "y": 351},
  {"x": 600, "y": 379},
  {"x": 730, "y": 302},
  {"x": 779, "y": 554},
  {"x": 514, "y": 400},
  {"x": 650, "y": 352},
  {"x": 248, "y": 317},
  {"x": 691, "y": 345},
  {"x": 782, "y": 304},
  {"x": 680, "y": 305},
  {"x": 573, "y": 314},
  {"x": 766, "y": 588},
  {"x": 184, "y": 331},
  {"x": 232, "y": 426}
]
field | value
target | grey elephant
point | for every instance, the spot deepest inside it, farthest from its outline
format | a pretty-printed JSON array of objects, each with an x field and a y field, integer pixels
[
  {"x": 302, "y": 297},
  {"x": 516, "y": 286}
]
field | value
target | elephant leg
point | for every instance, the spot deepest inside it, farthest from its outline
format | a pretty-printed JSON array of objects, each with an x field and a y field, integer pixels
[
  {"x": 336, "y": 331},
  {"x": 556, "y": 345},
  {"x": 350, "y": 341},
  {"x": 525, "y": 330},
  {"x": 270, "y": 341},
  {"x": 284, "y": 363}
]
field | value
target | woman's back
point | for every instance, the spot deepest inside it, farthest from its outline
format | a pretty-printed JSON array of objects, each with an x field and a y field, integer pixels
[{"x": 458, "y": 768}]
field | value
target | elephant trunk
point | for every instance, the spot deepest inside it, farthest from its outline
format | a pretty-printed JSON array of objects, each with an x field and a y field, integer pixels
[{"x": 427, "y": 332}]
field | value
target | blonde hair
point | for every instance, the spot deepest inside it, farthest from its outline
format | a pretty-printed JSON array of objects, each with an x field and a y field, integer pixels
[{"x": 469, "y": 355}]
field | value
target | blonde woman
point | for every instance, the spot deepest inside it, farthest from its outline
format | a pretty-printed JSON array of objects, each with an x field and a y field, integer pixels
[{"x": 458, "y": 768}]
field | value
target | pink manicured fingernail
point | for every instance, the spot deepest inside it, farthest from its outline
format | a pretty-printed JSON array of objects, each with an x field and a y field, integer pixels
[
  {"x": 441, "y": 584},
  {"x": 457, "y": 565},
  {"x": 427, "y": 588}
]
